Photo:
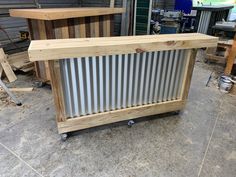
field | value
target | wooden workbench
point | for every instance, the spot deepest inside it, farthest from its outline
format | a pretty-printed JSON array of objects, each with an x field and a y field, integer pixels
[{"x": 59, "y": 23}]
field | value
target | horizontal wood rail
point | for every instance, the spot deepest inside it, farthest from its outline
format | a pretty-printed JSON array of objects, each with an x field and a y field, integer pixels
[
  {"x": 69, "y": 48},
  {"x": 63, "y": 13}
]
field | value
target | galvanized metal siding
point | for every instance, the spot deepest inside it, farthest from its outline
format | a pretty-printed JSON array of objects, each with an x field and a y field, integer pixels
[{"x": 105, "y": 83}]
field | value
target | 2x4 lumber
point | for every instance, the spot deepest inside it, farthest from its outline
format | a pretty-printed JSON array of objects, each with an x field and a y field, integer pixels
[
  {"x": 106, "y": 26},
  {"x": 94, "y": 26},
  {"x": 1, "y": 70},
  {"x": 61, "y": 31},
  {"x": 118, "y": 115},
  {"x": 112, "y": 3},
  {"x": 43, "y": 35},
  {"x": 231, "y": 58},
  {"x": 67, "y": 48},
  {"x": 191, "y": 56},
  {"x": 63, "y": 13},
  {"x": 27, "y": 89},
  {"x": 6, "y": 67},
  {"x": 80, "y": 29}
]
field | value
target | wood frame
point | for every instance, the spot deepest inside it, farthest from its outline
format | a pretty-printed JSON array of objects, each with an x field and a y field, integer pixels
[
  {"x": 137, "y": 44},
  {"x": 61, "y": 23}
]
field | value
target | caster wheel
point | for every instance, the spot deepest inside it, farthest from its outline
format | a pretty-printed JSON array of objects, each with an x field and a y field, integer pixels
[
  {"x": 38, "y": 84},
  {"x": 130, "y": 123},
  {"x": 176, "y": 112},
  {"x": 64, "y": 136}
]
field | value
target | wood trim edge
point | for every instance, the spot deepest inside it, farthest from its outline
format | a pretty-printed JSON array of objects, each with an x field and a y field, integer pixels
[{"x": 94, "y": 120}]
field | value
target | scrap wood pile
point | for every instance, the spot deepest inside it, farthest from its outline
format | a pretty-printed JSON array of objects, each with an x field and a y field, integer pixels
[
  {"x": 10, "y": 63},
  {"x": 20, "y": 61}
]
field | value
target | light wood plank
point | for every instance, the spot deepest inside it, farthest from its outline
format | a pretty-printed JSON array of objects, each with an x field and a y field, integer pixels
[
  {"x": 26, "y": 89},
  {"x": 6, "y": 67},
  {"x": 94, "y": 26},
  {"x": 191, "y": 56},
  {"x": 57, "y": 90},
  {"x": 82, "y": 28},
  {"x": 231, "y": 58},
  {"x": 43, "y": 35},
  {"x": 1, "y": 70},
  {"x": 106, "y": 26},
  {"x": 118, "y": 115},
  {"x": 61, "y": 31},
  {"x": 112, "y": 3},
  {"x": 67, "y": 48},
  {"x": 63, "y": 13}
]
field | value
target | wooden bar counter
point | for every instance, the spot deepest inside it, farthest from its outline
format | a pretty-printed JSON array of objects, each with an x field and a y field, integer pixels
[{"x": 61, "y": 23}]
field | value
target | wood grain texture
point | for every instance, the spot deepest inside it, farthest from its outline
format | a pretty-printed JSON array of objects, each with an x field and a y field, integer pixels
[
  {"x": 67, "y": 48},
  {"x": 231, "y": 57},
  {"x": 26, "y": 89},
  {"x": 63, "y": 13},
  {"x": 57, "y": 90},
  {"x": 43, "y": 36},
  {"x": 61, "y": 30},
  {"x": 94, "y": 26},
  {"x": 6, "y": 67},
  {"x": 191, "y": 56},
  {"x": 106, "y": 26},
  {"x": 118, "y": 115}
]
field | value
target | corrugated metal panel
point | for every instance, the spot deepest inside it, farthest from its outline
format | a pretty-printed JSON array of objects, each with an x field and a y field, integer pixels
[{"x": 105, "y": 83}]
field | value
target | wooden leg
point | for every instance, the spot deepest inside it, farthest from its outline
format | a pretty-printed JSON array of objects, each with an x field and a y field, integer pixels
[{"x": 231, "y": 58}]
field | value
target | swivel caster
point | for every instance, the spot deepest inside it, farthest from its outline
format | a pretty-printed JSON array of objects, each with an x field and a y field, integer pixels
[
  {"x": 176, "y": 112},
  {"x": 131, "y": 123},
  {"x": 64, "y": 136},
  {"x": 39, "y": 84}
]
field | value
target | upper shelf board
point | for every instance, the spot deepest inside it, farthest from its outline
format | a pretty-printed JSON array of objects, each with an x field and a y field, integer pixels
[{"x": 63, "y": 13}]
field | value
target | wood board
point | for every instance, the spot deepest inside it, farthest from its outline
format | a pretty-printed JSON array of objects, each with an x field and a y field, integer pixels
[
  {"x": 66, "y": 48},
  {"x": 63, "y": 13}
]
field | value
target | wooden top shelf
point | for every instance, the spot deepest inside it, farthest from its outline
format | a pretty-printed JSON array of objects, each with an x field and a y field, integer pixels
[
  {"x": 82, "y": 47},
  {"x": 63, "y": 13}
]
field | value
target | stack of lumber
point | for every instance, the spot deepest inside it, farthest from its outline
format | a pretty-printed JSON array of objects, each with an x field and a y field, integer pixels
[{"x": 20, "y": 61}]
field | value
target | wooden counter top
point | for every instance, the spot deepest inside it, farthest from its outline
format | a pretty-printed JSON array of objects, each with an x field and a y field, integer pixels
[
  {"x": 63, "y": 13},
  {"x": 82, "y": 47}
]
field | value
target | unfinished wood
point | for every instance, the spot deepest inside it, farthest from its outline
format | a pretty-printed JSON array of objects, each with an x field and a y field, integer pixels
[
  {"x": 215, "y": 58},
  {"x": 94, "y": 26},
  {"x": 61, "y": 31},
  {"x": 106, "y": 26},
  {"x": 43, "y": 35},
  {"x": 26, "y": 89},
  {"x": 6, "y": 67},
  {"x": 31, "y": 28},
  {"x": 1, "y": 70},
  {"x": 67, "y": 48},
  {"x": 118, "y": 115},
  {"x": 112, "y": 3},
  {"x": 63, "y": 13},
  {"x": 191, "y": 56},
  {"x": 57, "y": 90},
  {"x": 231, "y": 58}
]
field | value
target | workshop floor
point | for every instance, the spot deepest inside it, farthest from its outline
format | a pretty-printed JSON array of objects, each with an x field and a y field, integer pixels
[{"x": 200, "y": 141}]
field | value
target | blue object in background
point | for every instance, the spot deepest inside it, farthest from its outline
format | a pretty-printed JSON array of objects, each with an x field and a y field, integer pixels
[
  {"x": 168, "y": 29},
  {"x": 184, "y": 5}
]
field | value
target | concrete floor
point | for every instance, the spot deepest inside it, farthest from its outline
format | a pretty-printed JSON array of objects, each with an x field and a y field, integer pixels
[{"x": 200, "y": 141}]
